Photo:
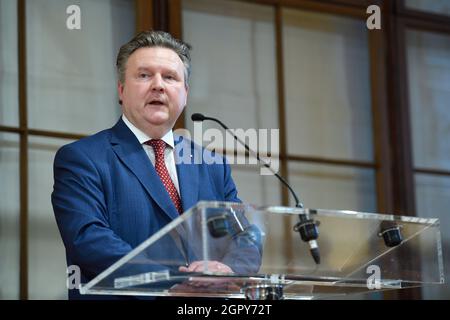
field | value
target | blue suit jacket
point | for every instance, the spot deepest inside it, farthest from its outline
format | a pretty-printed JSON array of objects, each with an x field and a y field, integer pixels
[{"x": 108, "y": 198}]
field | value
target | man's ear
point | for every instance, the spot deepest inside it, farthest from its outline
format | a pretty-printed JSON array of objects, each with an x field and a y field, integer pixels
[{"x": 120, "y": 88}]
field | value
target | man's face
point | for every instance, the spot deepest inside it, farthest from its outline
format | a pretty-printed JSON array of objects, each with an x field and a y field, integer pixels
[{"x": 154, "y": 92}]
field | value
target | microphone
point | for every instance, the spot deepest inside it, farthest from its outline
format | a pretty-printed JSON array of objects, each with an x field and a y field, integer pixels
[{"x": 306, "y": 227}]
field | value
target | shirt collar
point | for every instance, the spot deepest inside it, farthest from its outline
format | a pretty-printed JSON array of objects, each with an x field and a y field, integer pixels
[{"x": 143, "y": 137}]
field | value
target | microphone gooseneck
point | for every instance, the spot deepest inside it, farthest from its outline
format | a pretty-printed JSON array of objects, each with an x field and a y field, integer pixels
[
  {"x": 201, "y": 117},
  {"x": 306, "y": 227}
]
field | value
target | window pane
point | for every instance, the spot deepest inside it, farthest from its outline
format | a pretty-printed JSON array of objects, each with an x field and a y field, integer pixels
[
  {"x": 429, "y": 95},
  {"x": 46, "y": 255},
  {"x": 333, "y": 187},
  {"x": 9, "y": 216},
  {"x": 433, "y": 201},
  {"x": 255, "y": 188},
  {"x": 71, "y": 73},
  {"x": 9, "y": 101},
  {"x": 233, "y": 59},
  {"x": 327, "y": 86},
  {"x": 234, "y": 79},
  {"x": 432, "y": 6}
]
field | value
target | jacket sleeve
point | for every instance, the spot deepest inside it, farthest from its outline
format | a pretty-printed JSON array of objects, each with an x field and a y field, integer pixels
[
  {"x": 244, "y": 250},
  {"x": 81, "y": 214},
  {"x": 230, "y": 190}
]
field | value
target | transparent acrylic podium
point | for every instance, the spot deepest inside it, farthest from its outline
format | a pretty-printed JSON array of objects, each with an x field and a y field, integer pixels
[{"x": 269, "y": 259}]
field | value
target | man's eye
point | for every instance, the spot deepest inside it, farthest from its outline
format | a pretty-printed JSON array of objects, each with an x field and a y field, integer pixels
[
  {"x": 169, "y": 77},
  {"x": 144, "y": 75}
]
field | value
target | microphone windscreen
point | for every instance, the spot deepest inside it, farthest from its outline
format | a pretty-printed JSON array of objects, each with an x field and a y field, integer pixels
[{"x": 197, "y": 117}]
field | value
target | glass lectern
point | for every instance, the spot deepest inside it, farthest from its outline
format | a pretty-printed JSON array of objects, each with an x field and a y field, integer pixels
[{"x": 359, "y": 252}]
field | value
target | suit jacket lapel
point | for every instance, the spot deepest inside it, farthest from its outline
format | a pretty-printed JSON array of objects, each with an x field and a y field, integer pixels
[
  {"x": 188, "y": 176},
  {"x": 131, "y": 153}
]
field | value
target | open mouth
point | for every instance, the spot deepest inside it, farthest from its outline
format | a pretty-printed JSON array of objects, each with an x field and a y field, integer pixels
[{"x": 156, "y": 103}]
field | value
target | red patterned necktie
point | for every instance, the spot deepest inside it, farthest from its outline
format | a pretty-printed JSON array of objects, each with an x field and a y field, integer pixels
[{"x": 159, "y": 146}]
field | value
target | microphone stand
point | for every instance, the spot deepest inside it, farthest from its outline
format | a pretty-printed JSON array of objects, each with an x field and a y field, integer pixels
[{"x": 307, "y": 228}]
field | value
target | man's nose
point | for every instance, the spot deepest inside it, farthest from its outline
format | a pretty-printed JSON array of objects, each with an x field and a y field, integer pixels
[{"x": 157, "y": 83}]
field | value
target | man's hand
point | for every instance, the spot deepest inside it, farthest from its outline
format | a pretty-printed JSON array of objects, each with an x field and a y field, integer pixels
[{"x": 212, "y": 266}]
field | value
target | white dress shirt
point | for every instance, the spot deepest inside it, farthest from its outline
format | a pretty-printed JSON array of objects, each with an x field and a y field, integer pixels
[{"x": 169, "y": 157}]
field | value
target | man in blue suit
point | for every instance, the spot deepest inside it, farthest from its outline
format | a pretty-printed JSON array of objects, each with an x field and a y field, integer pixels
[{"x": 115, "y": 189}]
